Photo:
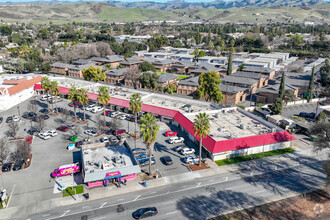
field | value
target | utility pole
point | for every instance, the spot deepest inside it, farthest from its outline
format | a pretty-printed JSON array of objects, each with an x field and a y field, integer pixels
[{"x": 251, "y": 96}]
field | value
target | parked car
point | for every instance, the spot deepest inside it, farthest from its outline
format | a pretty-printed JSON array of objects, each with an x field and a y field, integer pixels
[
  {"x": 44, "y": 136},
  {"x": 29, "y": 115},
  {"x": 114, "y": 114},
  {"x": 142, "y": 156},
  {"x": 178, "y": 148},
  {"x": 145, "y": 212},
  {"x": 45, "y": 97},
  {"x": 119, "y": 131},
  {"x": 139, "y": 151},
  {"x": 310, "y": 115},
  {"x": 16, "y": 118},
  {"x": 89, "y": 107},
  {"x": 52, "y": 133},
  {"x": 97, "y": 109},
  {"x": 9, "y": 119},
  {"x": 70, "y": 126},
  {"x": 113, "y": 138},
  {"x": 186, "y": 151},
  {"x": 90, "y": 132},
  {"x": 167, "y": 160},
  {"x": 170, "y": 133},
  {"x": 44, "y": 110},
  {"x": 1, "y": 119},
  {"x": 104, "y": 139},
  {"x": 191, "y": 159},
  {"x": 106, "y": 112},
  {"x": 6, "y": 167},
  {"x": 70, "y": 147},
  {"x": 44, "y": 117},
  {"x": 33, "y": 131},
  {"x": 145, "y": 161},
  {"x": 122, "y": 117},
  {"x": 71, "y": 104},
  {"x": 54, "y": 100},
  {"x": 73, "y": 138},
  {"x": 63, "y": 128},
  {"x": 18, "y": 165},
  {"x": 175, "y": 140}
]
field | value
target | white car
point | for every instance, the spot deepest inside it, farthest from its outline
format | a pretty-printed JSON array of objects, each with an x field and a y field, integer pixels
[
  {"x": 16, "y": 118},
  {"x": 175, "y": 140},
  {"x": 89, "y": 107},
  {"x": 186, "y": 151},
  {"x": 90, "y": 132},
  {"x": 44, "y": 136},
  {"x": 114, "y": 114},
  {"x": 45, "y": 97},
  {"x": 191, "y": 159},
  {"x": 51, "y": 132},
  {"x": 97, "y": 109},
  {"x": 113, "y": 139},
  {"x": 122, "y": 117},
  {"x": 104, "y": 139}
]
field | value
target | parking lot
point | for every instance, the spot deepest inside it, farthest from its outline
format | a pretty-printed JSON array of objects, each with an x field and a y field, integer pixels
[
  {"x": 292, "y": 110},
  {"x": 35, "y": 184}
]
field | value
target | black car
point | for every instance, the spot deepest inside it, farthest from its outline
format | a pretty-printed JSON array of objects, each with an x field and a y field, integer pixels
[
  {"x": 44, "y": 110},
  {"x": 18, "y": 165},
  {"x": 167, "y": 160},
  {"x": 6, "y": 167},
  {"x": 9, "y": 119},
  {"x": 1, "y": 119},
  {"x": 33, "y": 131},
  {"x": 29, "y": 115},
  {"x": 145, "y": 212}
]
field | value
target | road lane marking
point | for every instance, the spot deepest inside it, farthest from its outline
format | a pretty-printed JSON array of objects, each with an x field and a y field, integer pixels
[
  {"x": 66, "y": 212},
  {"x": 103, "y": 204},
  {"x": 171, "y": 213},
  {"x": 137, "y": 197},
  {"x": 11, "y": 194},
  {"x": 198, "y": 184}
]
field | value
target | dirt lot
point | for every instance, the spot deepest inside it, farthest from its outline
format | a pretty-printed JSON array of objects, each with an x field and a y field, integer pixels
[{"x": 314, "y": 205}]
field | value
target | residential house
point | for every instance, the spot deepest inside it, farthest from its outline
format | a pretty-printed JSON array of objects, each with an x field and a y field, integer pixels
[
  {"x": 247, "y": 83},
  {"x": 262, "y": 79},
  {"x": 114, "y": 60},
  {"x": 269, "y": 93},
  {"x": 83, "y": 62},
  {"x": 265, "y": 71},
  {"x": 131, "y": 62},
  {"x": 59, "y": 68},
  {"x": 188, "y": 86},
  {"x": 163, "y": 65},
  {"x": 115, "y": 76},
  {"x": 99, "y": 60},
  {"x": 167, "y": 78},
  {"x": 182, "y": 67},
  {"x": 232, "y": 94},
  {"x": 203, "y": 68}
]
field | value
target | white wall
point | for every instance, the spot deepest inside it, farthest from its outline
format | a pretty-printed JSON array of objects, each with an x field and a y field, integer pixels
[{"x": 7, "y": 102}]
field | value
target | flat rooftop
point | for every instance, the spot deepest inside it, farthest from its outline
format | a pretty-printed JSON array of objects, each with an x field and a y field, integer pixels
[
  {"x": 106, "y": 158},
  {"x": 232, "y": 124}
]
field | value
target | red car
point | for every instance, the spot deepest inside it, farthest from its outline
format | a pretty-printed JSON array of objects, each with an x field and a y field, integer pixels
[
  {"x": 170, "y": 133},
  {"x": 71, "y": 104},
  {"x": 63, "y": 128},
  {"x": 106, "y": 112},
  {"x": 119, "y": 131}
]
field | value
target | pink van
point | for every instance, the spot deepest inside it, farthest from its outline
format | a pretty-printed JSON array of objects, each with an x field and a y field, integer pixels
[{"x": 65, "y": 170}]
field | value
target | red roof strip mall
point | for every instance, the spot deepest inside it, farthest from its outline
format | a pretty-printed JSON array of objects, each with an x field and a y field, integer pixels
[{"x": 234, "y": 132}]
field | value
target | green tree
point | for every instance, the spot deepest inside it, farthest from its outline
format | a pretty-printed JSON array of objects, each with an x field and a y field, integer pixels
[
  {"x": 232, "y": 42},
  {"x": 310, "y": 90},
  {"x": 198, "y": 38},
  {"x": 230, "y": 64},
  {"x": 54, "y": 89},
  {"x": 95, "y": 73},
  {"x": 209, "y": 87},
  {"x": 202, "y": 129},
  {"x": 325, "y": 74},
  {"x": 322, "y": 117},
  {"x": 103, "y": 97},
  {"x": 277, "y": 106},
  {"x": 149, "y": 80},
  {"x": 281, "y": 89},
  {"x": 171, "y": 88},
  {"x": 45, "y": 67},
  {"x": 201, "y": 53},
  {"x": 289, "y": 96},
  {"x": 148, "y": 131},
  {"x": 241, "y": 67},
  {"x": 83, "y": 99},
  {"x": 146, "y": 66},
  {"x": 135, "y": 105},
  {"x": 30, "y": 66},
  {"x": 73, "y": 96},
  {"x": 45, "y": 84}
]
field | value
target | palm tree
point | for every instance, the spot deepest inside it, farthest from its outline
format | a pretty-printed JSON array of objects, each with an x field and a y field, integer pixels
[
  {"x": 149, "y": 130},
  {"x": 54, "y": 89},
  {"x": 103, "y": 97},
  {"x": 202, "y": 129},
  {"x": 83, "y": 99},
  {"x": 73, "y": 96},
  {"x": 45, "y": 84},
  {"x": 135, "y": 105}
]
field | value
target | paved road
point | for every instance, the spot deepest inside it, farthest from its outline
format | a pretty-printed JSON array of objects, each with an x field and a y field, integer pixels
[{"x": 200, "y": 198}]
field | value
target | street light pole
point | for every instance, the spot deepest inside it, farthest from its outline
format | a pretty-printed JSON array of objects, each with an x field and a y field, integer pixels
[{"x": 19, "y": 114}]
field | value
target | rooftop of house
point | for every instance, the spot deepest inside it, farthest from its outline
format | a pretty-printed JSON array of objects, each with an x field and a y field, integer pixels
[
  {"x": 238, "y": 80},
  {"x": 131, "y": 61},
  {"x": 251, "y": 75},
  {"x": 114, "y": 58},
  {"x": 165, "y": 77},
  {"x": 232, "y": 124},
  {"x": 117, "y": 72},
  {"x": 192, "y": 81},
  {"x": 228, "y": 89},
  {"x": 82, "y": 62},
  {"x": 258, "y": 69},
  {"x": 274, "y": 88},
  {"x": 163, "y": 62}
]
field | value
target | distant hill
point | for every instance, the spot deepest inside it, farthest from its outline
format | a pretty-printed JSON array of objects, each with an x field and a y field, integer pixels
[
  {"x": 219, "y": 4},
  {"x": 103, "y": 12}
]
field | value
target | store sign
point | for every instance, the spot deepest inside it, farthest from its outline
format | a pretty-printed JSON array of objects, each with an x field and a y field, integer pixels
[{"x": 117, "y": 173}]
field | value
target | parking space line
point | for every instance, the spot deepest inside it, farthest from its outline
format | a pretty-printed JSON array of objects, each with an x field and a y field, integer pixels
[
  {"x": 137, "y": 197},
  {"x": 11, "y": 195},
  {"x": 45, "y": 215},
  {"x": 103, "y": 204},
  {"x": 198, "y": 184},
  {"x": 171, "y": 213},
  {"x": 170, "y": 202},
  {"x": 66, "y": 212}
]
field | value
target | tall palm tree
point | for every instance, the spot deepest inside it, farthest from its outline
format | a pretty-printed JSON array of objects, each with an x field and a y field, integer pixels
[
  {"x": 202, "y": 129},
  {"x": 135, "y": 105},
  {"x": 45, "y": 84},
  {"x": 103, "y": 97},
  {"x": 73, "y": 96},
  {"x": 149, "y": 130},
  {"x": 83, "y": 99},
  {"x": 54, "y": 89}
]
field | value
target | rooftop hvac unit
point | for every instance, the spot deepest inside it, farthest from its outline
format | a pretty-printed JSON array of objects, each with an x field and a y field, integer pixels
[{"x": 242, "y": 126}]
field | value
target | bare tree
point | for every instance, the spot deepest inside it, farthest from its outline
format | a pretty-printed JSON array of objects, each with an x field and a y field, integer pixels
[
  {"x": 23, "y": 150},
  {"x": 76, "y": 130},
  {"x": 115, "y": 124},
  {"x": 132, "y": 75},
  {"x": 13, "y": 128},
  {"x": 32, "y": 106},
  {"x": 99, "y": 122},
  {"x": 80, "y": 51},
  {"x": 103, "y": 49},
  {"x": 4, "y": 151},
  {"x": 40, "y": 124},
  {"x": 65, "y": 114}
]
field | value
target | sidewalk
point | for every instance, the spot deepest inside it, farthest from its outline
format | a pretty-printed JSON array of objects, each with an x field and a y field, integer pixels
[{"x": 133, "y": 185}]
